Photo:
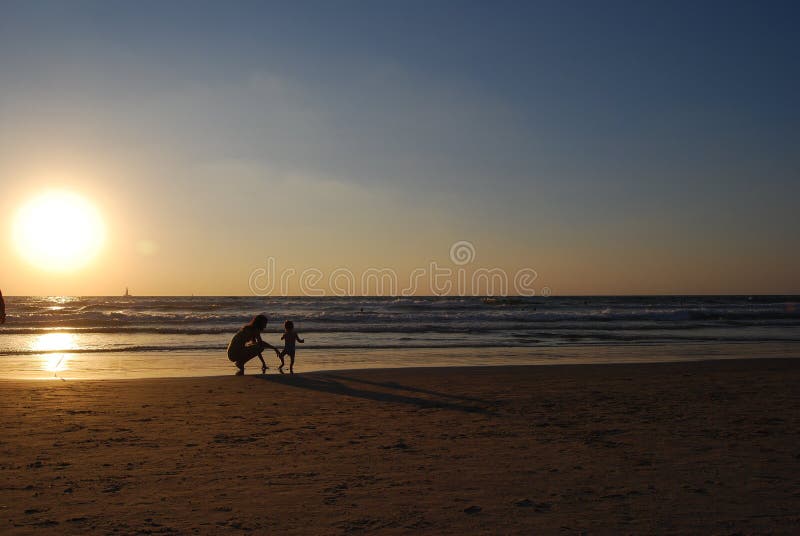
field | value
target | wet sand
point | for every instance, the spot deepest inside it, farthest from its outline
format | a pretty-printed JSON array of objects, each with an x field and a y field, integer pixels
[{"x": 703, "y": 447}]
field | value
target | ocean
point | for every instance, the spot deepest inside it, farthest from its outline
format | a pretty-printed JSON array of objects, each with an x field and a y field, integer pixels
[{"x": 104, "y": 337}]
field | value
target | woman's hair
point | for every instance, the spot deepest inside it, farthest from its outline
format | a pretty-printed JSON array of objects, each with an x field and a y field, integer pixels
[
  {"x": 259, "y": 322},
  {"x": 288, "y": 325}
]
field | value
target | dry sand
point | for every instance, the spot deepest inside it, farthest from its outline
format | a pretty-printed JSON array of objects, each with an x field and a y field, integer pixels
[{"x": 709, "y": 447}]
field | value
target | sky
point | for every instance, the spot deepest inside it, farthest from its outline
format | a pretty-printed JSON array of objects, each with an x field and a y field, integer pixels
[{"x": 612, "y": 147}]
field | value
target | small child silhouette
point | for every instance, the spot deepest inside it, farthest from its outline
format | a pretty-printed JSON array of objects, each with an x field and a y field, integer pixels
[{"x": 289, "y": 337}]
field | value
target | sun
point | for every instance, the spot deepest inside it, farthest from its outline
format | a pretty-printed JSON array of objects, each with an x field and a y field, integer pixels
[{"x": 58, "y": 231}]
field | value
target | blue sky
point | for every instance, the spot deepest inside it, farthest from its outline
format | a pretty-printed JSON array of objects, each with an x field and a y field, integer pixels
[{"x": 613, "y": 146}]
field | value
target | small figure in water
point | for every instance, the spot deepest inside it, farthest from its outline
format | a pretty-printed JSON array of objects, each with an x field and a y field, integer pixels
[
  {"x": 247, "y": 344},
  {"x": 289, "y": 337}
]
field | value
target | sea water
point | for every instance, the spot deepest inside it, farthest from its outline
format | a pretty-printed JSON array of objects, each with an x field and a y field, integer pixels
[{"x": 103, "y": 337}]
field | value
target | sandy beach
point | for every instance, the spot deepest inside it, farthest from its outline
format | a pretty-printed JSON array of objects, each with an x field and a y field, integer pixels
[{"x": 704, "y": 447}]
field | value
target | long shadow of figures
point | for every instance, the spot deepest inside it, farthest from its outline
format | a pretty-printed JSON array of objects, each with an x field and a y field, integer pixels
[
  {"x": 329, "y": 383},
  {"x": 397, "y": 386}
]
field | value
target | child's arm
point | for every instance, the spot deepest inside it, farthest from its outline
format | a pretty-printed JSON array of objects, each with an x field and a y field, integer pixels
[
  {"x": 298, "y": 338},
  {"x": 283, "y": 337}
]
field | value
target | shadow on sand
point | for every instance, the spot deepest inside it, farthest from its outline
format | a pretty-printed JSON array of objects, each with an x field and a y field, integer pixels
[
  {"x": 329, "y": 383},
  {"x": 399, "y": 387}
]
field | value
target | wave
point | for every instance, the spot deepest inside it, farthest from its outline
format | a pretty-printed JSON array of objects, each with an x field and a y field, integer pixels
[
  {"x": 415, "y": 328},
  {"x": 429, "y": 314},
  {"x": 431, "y": 345},
  {"x": 166, "y": 324}
]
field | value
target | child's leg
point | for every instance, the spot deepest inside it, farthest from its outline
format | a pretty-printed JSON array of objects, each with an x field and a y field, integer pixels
[
  {"x": 291, "y": 364},
  {"x": 280, "y": 356}
]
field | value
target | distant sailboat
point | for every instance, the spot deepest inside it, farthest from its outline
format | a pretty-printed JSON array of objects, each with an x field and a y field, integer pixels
[{"x": 127, "y": 294}]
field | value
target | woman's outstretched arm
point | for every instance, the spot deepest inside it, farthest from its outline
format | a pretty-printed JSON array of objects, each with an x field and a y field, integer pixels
[{"x": 265, "y": 344}]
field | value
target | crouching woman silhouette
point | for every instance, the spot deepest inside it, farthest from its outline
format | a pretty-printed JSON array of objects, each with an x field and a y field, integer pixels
[{"x": 247, "y": 344}]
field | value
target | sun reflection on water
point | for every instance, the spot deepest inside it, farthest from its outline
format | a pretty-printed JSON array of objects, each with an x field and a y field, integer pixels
[{"x": 57, "y": 346}]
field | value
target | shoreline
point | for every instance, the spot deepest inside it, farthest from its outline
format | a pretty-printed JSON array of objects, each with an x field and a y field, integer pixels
[
  {"x": 176, "y": 364},
  {"x": 418, "y": 370},
  {"x": 668, "y": 448}
]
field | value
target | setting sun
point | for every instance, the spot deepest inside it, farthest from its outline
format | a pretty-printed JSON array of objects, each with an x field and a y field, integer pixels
[{"x": 58, "y": 231}]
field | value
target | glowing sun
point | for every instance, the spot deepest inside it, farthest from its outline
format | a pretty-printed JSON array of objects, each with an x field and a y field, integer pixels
[{"x": 58, "y": 231}]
